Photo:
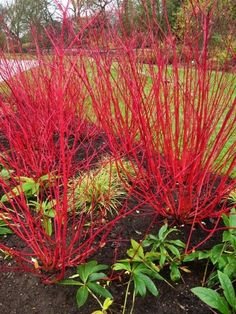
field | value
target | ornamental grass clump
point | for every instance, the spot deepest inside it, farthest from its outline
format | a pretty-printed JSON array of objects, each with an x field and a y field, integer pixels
[{"x": 100, "y": 189}]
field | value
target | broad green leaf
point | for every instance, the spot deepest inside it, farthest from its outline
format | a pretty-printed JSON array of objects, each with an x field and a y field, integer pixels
[
  {"x": 107, "y": 303},
  {"x": 139, "y": 285},
  {"x": 99, "y": 290},
  {"x": 228, "y": 289},
  {"x": 97, "y": 276},
  {"x": 204, "y": 255},
  {"x": 175, "y": 274},
  {"x": 226, "y": 236},
  {"x": 230, "y": 268},
  {"x": 99, "y": 267},
  {"x": 134, "y": 255},
  {"x": 82, "y": 296},
  {"x": 149, "y": 284},
  {"x": 85, "y": 270},
  {"x": 122, "y": 266},
  {"x": 212, "y": 298},
  {"x": 216, "y": 253}
]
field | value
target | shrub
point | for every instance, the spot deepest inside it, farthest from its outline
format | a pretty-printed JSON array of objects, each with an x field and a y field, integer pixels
[{"x": 177, "y": 123}]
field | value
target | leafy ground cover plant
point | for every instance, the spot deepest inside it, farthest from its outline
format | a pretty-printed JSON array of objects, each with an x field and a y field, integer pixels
[
  {"x": 89, "y": 276},
  {"x": 224, "y": 304},
  {"x": 140, "y": 272},
  {"x": 223, "y": 255},
  {"x": 166, "y": 252},
  {"x": 4, "y": 230}
]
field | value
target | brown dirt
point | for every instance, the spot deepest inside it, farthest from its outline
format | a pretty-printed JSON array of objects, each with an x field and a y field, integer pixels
[{"x": 23, "y": 293}]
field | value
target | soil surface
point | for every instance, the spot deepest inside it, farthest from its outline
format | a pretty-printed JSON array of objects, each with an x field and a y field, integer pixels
[{"x": 23, "y": 293}]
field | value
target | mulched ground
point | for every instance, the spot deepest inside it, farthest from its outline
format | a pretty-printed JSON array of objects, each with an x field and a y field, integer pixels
[{"x": 23, "y": 293}]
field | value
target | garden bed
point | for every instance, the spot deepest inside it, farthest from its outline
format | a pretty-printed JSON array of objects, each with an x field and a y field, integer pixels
[{"x": 22, "y": 293}]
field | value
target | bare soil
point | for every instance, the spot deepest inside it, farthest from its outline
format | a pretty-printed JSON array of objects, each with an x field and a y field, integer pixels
[{"x": 22, "y": 293}]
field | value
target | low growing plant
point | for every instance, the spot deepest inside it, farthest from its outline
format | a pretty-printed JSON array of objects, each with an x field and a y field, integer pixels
[
  {"x": 88, "y": 278},
  {"x": 165, "y": 251},
  {"x": 222, "y": 255},
  {"x": 225, "y": 304},
  {"x": 46, "y": 211},
  {"x": 4, "y": 229},
  {"x": 99, "y": 189},
  {"x": 29, "y": 187}
]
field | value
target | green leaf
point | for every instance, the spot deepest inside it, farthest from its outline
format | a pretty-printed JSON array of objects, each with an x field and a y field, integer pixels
[
  {"x": 137, "y": 250},
  {"x": 69, "y": 282},
  {"x": 99, "y": 290},
  {"x": 230, "y": 268},
  {"x": 139, "y": 285},
  {"x": 161, "y": 233},
  {"x": 204, "y": 255},
  {"x": 149, "y": 284},
  {"x": 178, "y": 243},
  {"x": 228, "y": 289},
  {"x": 99, "y": 267},
  {"x": 232, "y": 218},
  {"x": 225, "y": 220},
  {"x": 163, "y": 256},
  {"x": 174, "y": 250},
  {"x": 85, "y": 270},
  {"x": 122, "y": 266},
  {"x": 107, "y": 303},
  {"x": 175, "y": 274},
  {"x": 212, "y": 298},
  {"x": 191, "y": 257},
  {"x": 5, "y": 230},
  {"x": 47, "y": 223},
  {"x": 226, "y": 236},
  {"x": 97, "y": 276},
  {"x": 216, "y": 253},
  {"x": 82, "y": 296},
  {"x": 5, "y": 174}
]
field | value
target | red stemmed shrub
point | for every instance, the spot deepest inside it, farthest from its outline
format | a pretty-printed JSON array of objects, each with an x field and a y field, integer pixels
[
  {"x": 47, "y": 141},
  {"x": 175, "y": 122}
]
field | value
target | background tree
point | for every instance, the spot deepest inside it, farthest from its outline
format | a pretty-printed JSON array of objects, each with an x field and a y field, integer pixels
[{"x": 21, "y": 16}]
